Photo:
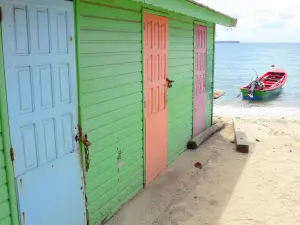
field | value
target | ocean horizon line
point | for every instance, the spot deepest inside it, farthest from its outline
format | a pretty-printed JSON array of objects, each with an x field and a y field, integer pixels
[{"x": 246, "y": 42}]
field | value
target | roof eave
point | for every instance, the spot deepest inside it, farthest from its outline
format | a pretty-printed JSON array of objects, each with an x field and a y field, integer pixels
[
  {"x": 193, "y": 9},
  {"x": 227, "y": 20}
]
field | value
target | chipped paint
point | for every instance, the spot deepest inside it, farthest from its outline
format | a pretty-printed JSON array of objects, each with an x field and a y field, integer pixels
[
  {"x": 21, "y": 183},
  {"x": 83, "y": 177}
]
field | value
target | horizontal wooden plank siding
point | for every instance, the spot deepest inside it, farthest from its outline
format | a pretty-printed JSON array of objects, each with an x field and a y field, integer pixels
[
  {"x": 180, "y": 96},
  {"x": 210, "y": 74},
  {"x": 110, "y": 66},
  {"x": 111, "y": 102},
  {"x": 5, "y": 210},
  {"x": 5, "y": 214}
]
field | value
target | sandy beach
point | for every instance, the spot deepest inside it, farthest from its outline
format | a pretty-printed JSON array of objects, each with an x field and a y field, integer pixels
[
  {"x": 257, "y": 112},
  {"x": 259, "y": 188}
]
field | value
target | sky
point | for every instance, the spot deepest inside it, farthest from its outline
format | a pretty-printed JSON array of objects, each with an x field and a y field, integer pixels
[{"x": 259, "y": 20}]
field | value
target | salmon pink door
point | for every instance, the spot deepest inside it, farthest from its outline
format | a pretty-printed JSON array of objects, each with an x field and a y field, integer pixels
[
  {"x": 199, "y": 79},
  {"x": 156, "y": 112}
]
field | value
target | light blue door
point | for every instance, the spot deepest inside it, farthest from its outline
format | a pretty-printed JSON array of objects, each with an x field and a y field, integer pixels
[{"x": 40, "y": 71}]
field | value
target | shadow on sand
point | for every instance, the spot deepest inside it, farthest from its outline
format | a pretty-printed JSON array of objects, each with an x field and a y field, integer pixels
[{"x": 185, "y": 195}]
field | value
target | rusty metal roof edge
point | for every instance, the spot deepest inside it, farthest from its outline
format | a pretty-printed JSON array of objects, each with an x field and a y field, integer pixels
[{"x": 234, "y": 20}]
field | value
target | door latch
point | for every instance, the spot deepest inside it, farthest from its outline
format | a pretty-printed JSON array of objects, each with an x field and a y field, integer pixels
[
  {"x": 170, "y": 82},
  {"x": 84, "y": 140}
]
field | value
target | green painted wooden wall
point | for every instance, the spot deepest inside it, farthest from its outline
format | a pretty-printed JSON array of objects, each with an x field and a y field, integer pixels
[
  {"x": 5, "y": 213},
  {"x": 210, "y": 73},
  {"x": 111, "y": 97},
  {"x": 180, "y": 96},
  {"x": 111, "y": 103},
  {"x": 8, "y": 212}
]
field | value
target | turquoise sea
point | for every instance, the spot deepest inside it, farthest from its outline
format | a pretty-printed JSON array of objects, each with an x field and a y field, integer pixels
[{"x": 235, "y": 65}]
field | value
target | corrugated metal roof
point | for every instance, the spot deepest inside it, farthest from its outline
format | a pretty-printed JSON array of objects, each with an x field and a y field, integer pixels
[
  {"x": 213, "y": 10},
  {"x": 193, "y": 9}
]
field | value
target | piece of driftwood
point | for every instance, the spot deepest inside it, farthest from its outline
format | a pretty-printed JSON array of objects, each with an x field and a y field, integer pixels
[
  {"x": 241, "y": 140},
  {"x": 199, "y": 139}
]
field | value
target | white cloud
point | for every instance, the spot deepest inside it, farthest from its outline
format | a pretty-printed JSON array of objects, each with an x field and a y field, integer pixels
[{"x": 259, "y": 20}]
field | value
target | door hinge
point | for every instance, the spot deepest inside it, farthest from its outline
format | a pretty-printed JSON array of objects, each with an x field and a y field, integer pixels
[{"x": 12, "y": 154}]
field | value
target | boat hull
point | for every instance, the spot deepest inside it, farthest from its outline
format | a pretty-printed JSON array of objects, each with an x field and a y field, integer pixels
[
  {"x": 273, "y": 83},
  {"x": 260, "y": 95}
]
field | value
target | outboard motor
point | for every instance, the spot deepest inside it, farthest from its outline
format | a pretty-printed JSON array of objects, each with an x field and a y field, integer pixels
[{"x": 254, "y": 84}]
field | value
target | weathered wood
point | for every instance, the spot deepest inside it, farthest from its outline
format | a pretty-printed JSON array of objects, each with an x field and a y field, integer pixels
[
  {"x": 218, "y": 93},
  {"x": 241, "y": 140},
  {"x": 199, "y": 139}
]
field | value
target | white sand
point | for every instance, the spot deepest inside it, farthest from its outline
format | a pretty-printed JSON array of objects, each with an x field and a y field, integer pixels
[
  {"x": 254, "y": 112},
  {"x": 261, "y": 188}
]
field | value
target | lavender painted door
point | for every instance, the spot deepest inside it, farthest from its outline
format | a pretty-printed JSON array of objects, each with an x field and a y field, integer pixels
[
  {"x": 199, "y": 79},
  {"x": 40, "y": 73}
]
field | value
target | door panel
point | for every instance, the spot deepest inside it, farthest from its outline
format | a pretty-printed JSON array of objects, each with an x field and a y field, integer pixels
[
  {"x": 156, "y": 73},
  {"x": 209, "y": 71},
  {"x": 55, "y": 203},
  {"x": 200, "y": 80},
  {"x": 40, "y": 73}
]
